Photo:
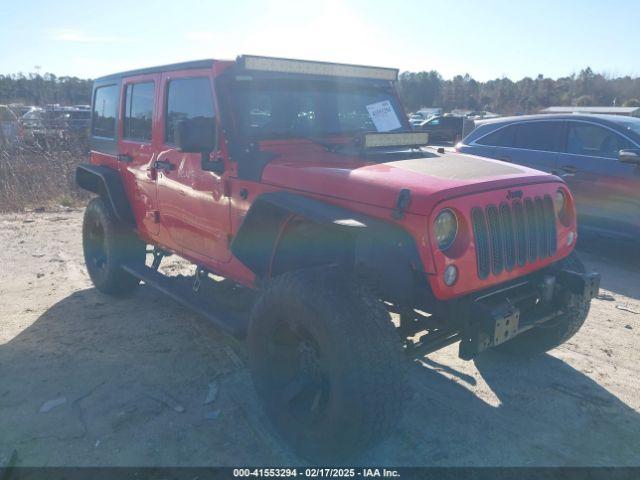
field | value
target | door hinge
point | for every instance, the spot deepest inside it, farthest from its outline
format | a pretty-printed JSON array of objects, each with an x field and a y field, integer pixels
[
  {"x": 156, "y": 216},
  {"x": 402, "y": 202},
  {"x": 227, "y": 188}
]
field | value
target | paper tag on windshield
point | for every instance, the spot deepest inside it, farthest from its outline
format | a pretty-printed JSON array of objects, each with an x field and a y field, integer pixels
[{"x": 384, "y": 116}]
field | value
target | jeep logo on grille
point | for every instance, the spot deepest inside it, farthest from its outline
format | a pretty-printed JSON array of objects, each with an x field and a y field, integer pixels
[{"x": 511, "y": 194}]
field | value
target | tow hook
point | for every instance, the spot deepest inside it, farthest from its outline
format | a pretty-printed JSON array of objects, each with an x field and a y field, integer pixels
[
  {"x": 585, "y": 285},
  {"x": 547, "y": 288}
]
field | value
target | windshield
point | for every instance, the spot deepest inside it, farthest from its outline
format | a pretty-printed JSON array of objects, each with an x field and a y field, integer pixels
[
  {"x": 306, "y": 108},
  {"x": 33, "y": 115},
  {"x": 632, "y": 124}
]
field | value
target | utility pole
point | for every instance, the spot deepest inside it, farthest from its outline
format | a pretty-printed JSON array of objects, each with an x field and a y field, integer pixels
[{"x": 39, "y": 95}]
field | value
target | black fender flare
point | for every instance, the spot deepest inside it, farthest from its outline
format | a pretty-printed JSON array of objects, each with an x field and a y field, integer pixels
[
  {"x": 384, "y": 249},
  {"x": 106, "y": 182}
]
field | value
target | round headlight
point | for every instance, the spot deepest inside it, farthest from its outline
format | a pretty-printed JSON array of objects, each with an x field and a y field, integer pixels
[
  {"x": 560, "y": 202},
  {"x": 445, "y": 228}
]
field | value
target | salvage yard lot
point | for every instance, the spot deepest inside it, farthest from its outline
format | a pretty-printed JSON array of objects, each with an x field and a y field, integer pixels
[{"x": 90, "y": 380}]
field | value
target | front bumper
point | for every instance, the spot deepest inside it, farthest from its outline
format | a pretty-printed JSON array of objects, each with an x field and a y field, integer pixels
[{"x": 495, "y": 318}]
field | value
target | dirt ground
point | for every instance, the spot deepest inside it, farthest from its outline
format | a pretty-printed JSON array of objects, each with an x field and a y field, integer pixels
[{"x": 89, "y": 380}]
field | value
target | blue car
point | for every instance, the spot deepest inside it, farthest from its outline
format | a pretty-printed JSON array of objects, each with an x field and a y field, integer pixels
[{"x": 597, "y": 155}]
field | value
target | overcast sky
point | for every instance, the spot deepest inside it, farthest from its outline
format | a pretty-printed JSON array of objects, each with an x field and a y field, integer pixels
[{"x": 487, "y": 39}]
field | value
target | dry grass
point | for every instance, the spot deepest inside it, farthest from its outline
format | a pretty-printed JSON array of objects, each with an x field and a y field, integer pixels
[{"x": 36, "y": 175}]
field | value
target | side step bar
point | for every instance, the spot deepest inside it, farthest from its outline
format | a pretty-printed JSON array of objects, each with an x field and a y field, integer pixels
[{"x": 229, "y": 321}]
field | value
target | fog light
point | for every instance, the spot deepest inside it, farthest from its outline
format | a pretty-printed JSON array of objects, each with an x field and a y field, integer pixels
[
  {"x": 450, "y": 275},
  {"x": 570, "y": 238}
]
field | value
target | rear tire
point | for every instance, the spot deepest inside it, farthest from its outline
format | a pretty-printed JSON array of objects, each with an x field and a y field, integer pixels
[
  {"x": 554, "y": 333},
  {"x": 326, "y": 363},
  {"x": 107, "y": 245}
]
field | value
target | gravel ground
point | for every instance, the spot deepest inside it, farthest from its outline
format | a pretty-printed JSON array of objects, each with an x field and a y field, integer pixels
[{"x": 89, "y": 380}]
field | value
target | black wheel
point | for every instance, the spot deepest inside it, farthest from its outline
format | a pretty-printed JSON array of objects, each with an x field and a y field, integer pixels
[
  {"x": 108, "y": 244},
  {"x": 326, "y": 362},
  {"x": 554, "y": 333}
]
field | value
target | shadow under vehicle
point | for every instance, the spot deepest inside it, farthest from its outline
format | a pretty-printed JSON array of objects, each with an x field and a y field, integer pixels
[{"x": 125, "y": 367}]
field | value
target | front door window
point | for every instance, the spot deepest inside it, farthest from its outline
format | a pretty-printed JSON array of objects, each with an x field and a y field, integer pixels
[{"x": 594, "y": 141}]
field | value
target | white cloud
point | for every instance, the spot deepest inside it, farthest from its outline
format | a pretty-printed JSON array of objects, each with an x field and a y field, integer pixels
[{"x": 78, "y": 36}]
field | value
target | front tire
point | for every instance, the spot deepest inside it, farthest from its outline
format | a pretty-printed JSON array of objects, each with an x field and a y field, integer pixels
[
  {"x": 107, "y": 245},
  {"x": 326, "y": 363},
  {"x": 556, "y": 332}
]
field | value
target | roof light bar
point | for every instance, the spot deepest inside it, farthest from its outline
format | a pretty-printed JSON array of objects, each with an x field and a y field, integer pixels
[
  {"x": 308, "y": 67},
  {"x": 375, "y": 140}
]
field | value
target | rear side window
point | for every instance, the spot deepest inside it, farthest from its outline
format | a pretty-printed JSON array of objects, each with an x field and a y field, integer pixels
[
  {"x": 105, "y": 107},
  {"x": 592, "y": 140},
  {"x": 187, "y": 98},
  {"x": 544, "y": 136},
  {"x": 503, "y": 137},
  {"x": 138, "y": 111}
]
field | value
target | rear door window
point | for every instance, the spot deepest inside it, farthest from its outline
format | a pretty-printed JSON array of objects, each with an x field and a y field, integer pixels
[
  {"x": 105, "y": 107},
  {"x": 138, "y": 111},
  {"x": 187, "y": 98},
  {"x": 594, "y": 141},
  {"x": 543, "y": 136}
]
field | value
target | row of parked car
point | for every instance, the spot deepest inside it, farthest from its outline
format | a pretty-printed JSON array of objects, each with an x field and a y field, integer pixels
[
  {"x": 448, "y": 127},
  {"x": 40, "y": 124},
  {"x": 597, "y": 155}
]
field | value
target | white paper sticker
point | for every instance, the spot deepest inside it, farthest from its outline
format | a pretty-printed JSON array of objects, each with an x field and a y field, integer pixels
[{"x": 384, "y": 116}]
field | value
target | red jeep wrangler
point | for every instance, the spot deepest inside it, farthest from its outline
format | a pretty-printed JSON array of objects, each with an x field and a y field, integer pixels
[{"x": 301, "y": 180}]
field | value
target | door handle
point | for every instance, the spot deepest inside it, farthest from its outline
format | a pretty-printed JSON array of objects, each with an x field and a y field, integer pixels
[
  {"x": 569, "y": 168},
  {"x": 164, "y": 165}
]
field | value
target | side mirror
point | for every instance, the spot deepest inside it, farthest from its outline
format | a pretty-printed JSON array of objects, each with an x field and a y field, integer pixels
[
  {"x": 198, "y": 135},
  {"x": 630, "y": 156}
]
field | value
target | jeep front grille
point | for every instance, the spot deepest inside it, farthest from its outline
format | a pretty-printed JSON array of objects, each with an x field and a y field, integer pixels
[{"x": 519, "y": 232}]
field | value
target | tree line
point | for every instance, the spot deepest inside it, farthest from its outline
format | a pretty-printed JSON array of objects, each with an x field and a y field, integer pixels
[
  {"x": 502, "y": 95},
  {"x": 417, "y": 89},
  {"x": 35, "y": 89}
]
